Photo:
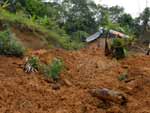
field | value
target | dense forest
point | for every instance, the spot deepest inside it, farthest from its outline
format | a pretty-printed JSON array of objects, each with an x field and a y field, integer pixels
[{"x": 73, "y": 20}]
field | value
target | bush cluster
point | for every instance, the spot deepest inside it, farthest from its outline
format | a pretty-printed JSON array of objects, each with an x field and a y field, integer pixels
[
  {"x": 9, "y": 44},
  {"x": 119, "y": 48},
  {"x": 52, "y": 70},
  {"x": 34, "y": 62}
]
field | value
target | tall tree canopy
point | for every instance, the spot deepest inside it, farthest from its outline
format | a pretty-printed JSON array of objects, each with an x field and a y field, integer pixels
[
  {"x": 80, "y": 17},
  {"x": 145, "y": 18}
]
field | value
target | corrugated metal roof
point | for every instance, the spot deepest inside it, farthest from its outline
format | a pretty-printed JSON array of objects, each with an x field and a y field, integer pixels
[{"x": 93, "y": 37}]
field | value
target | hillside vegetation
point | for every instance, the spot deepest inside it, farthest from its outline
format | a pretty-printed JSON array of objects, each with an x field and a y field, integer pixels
[
  {"x": 67, "y": 23},
  {"x": 54, "y": 37}
]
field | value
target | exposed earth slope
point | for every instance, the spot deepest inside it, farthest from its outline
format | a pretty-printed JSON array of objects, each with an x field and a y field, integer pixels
[{"x": 85, "y": 69}]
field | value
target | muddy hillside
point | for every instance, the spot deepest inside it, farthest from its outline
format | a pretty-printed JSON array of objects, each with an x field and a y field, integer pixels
[{"x": 85, "y": 69}]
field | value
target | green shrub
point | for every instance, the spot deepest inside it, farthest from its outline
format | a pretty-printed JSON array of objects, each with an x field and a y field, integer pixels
[
  {"x": 9, "y": 44},
  {"x": 119, "y": 48},
  {"x": 56, "y": 68},
  {"x": 79, "y": 36},
  {"x": 71, "y": 44},
  {"x": 118, "y": 42},
  {"x": 52, "y": 70}
]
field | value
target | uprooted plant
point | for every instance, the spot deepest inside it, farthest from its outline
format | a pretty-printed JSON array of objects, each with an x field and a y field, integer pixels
[{"x": 32, "y": 64}]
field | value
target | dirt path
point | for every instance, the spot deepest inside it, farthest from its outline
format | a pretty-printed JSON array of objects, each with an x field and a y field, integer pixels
[{"x": 85, "y": 69}]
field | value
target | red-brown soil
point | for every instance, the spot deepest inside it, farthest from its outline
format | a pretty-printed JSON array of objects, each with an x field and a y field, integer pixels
[{"x": 84, "y": 69}]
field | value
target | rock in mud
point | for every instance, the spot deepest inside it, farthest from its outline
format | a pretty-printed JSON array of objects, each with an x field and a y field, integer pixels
[
  {"x": 67, "y": 82},
  {"x": 109, "y": 95},
  {"x": 56, "y": 86},
  {"x": 114, "y": 109}
]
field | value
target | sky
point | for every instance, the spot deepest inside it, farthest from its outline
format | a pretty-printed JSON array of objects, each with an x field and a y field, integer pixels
[{"x": 133, "y": 7}]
